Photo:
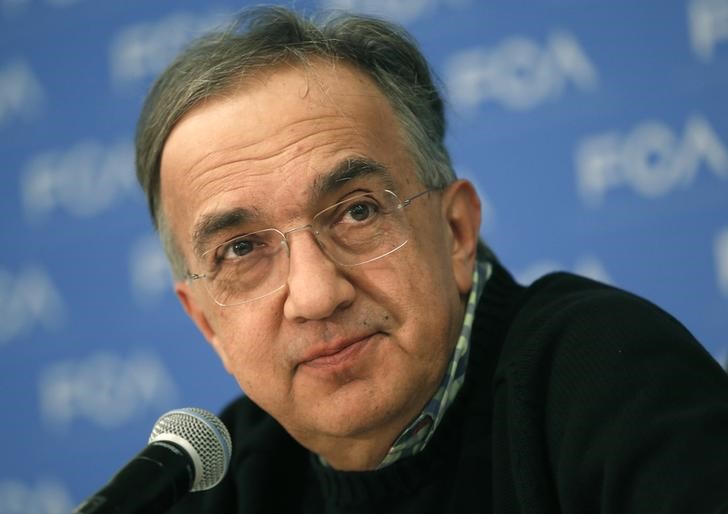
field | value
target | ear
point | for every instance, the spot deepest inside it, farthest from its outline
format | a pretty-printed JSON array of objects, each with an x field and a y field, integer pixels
[
  {"x": 462, "y": 213},
  {"x": 196, "y": 313}
]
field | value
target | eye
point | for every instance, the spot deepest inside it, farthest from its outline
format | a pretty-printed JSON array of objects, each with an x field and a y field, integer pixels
[
  {"x": 359, "y": 211},
  {"x": 238, "y": 248}
]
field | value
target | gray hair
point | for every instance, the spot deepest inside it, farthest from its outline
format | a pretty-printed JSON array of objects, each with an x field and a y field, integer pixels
[{"x": 263, "y": 38}]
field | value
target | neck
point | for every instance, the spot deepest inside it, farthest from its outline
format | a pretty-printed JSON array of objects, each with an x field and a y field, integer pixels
[{"x": 357, "y": 455}]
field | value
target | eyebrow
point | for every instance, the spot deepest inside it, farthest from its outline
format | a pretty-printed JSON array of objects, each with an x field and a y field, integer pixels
[
  {"x": 347, "y": 170},
  {"x": 215, "y": 222},
  {"x": 344, "y": 172}
]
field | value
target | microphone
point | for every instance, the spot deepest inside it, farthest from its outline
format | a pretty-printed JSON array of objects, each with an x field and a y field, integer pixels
[{"x": 189, "y": 450}]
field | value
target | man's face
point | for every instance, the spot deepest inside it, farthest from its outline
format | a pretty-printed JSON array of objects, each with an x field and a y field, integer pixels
[{"x": 350, "y": 353}]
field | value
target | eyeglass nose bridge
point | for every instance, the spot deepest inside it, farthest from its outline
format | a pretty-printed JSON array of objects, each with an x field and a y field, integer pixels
[{"x": 308, "y": 227}]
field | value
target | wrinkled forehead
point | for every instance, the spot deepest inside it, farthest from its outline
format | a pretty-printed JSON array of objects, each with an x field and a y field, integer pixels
[
  {"x": 261, "y": 105},
  {"x": 271, "y": 140}
]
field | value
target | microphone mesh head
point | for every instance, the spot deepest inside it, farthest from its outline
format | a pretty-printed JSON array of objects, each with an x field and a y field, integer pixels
[{"x": 205, "y": 434}]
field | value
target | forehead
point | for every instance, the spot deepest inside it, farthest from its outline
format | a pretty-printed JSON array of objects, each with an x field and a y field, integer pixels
[
  {"x": 281, "y": 111},
  {"x": 269, "y": 142}
]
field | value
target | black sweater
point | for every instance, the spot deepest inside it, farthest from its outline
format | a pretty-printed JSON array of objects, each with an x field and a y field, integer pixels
[{"x": 579, "y": 398}]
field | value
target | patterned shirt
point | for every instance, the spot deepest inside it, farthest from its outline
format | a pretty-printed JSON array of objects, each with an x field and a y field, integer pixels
[{"x": 416, "y": 436}]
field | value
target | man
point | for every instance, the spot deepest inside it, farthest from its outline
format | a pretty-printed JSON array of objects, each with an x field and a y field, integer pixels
[{"x": 323, "y": 246}]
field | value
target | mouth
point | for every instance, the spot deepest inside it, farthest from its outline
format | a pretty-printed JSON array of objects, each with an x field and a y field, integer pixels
[{"x": 335, "y": 355}]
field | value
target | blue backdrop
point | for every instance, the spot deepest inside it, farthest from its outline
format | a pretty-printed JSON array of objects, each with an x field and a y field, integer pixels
[{"x": 596, "y": 132}]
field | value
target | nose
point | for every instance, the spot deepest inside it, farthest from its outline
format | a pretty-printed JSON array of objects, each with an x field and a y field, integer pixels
[{"x": 316, "y": 286}]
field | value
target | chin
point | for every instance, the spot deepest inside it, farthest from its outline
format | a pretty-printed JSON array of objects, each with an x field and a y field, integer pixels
[
  {"x": 343, "y": 423},
  {"x": 357, "y": 419}
]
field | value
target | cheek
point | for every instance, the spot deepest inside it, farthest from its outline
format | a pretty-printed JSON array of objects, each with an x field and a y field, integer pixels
[
  {"x": 417, "y": 292},
  {"x": 432, "y": 293},
  {"x": 428, "y": 268},
  {"x": 248, "y": 343}
]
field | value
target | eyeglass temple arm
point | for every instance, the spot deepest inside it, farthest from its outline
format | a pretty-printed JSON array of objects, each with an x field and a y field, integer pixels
[{"x": 408, "y": 201}]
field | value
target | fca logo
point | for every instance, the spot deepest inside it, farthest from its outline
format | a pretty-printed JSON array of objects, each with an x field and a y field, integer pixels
[{"x": 651, "y": 159}]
